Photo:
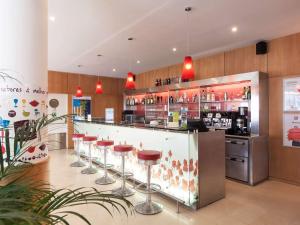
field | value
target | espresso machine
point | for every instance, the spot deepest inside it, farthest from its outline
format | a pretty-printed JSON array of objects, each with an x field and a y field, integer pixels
[{"x": 241, "y": 122}]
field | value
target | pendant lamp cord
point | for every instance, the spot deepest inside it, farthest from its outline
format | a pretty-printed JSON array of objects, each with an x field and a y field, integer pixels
[
  {"x": 130, "y": 53},
  {"x": 188, "y": 32}
]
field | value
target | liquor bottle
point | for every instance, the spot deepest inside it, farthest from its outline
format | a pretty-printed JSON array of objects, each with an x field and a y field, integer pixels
[
  {"x": 203, "y": 95},
  {"x": 213, "y": 96},
  {"x": 249, "y": 93},
  {"x": 208, "y": 96},
  {"x": 245, "y": 93},
  {"x": 225, "y": 96}
]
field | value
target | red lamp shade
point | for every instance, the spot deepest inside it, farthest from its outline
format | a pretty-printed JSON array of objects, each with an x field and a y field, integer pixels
[
  {"x": 130, "y": 84},
  {"x": 99, "y": 88},
  {"x": 188, "y": 69},
  {"x": 79, "y": 92}
]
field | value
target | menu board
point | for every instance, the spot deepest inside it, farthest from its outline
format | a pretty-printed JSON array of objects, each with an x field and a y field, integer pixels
[{"x": 291, "y": 112}]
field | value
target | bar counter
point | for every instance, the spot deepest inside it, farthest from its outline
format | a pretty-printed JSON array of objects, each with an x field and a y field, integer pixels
[{"x": 192, "y": 167}]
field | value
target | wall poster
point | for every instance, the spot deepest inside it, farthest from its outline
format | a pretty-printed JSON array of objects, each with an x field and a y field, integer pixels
[{"x": 291, "y": 112}]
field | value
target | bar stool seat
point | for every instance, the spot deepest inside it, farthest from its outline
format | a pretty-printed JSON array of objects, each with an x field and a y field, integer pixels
[
  {"x": 77, "y": 139},
  {"x": 105, "y": 143},
  {"x": 148, "y": 158},
  {"x": 123, "y": 150},
  {"x": 149, "y": 155},
  {"x": 105, "y": 179},
  {"x": 89, "y": 140},
  {"x": 75, "y": 136}
]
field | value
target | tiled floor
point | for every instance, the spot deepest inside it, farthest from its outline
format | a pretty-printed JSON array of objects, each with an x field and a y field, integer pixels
[{"x": 270, "y": 203}]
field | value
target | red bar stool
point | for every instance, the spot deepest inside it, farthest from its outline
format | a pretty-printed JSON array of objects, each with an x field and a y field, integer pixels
[
  {"x": 148, "y": 158},
  {"x": 123, "y": 150},
  {"x": 105, "y": 179},
  {"x": 90, "y": 141},
  {"x": 77, "y": 139}
]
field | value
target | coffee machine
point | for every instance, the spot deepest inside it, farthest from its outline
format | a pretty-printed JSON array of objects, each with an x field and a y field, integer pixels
[{"x": 241, "y": 122}]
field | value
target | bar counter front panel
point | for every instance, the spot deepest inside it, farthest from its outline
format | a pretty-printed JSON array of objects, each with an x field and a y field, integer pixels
[{"x": 178, "y": 171}]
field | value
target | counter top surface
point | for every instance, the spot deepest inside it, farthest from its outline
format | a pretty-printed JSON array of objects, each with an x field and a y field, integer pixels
[
  {"x": 141, "y": 126},
  {"x": 160, "y": 127}
]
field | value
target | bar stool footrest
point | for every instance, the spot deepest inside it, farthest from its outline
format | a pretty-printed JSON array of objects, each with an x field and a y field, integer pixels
[
  {"x": 153, "y": 188},
  {"x": 118, "y": 175}
]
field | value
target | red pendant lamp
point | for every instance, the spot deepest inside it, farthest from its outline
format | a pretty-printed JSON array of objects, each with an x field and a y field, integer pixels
[
  {"x": 99, "y": 87},
  {"x": 130, "y": 84},
  {"x": 78, "y": 92},
  {"x": 188, "y": 72},
  {"x": 188, "y": 69}
]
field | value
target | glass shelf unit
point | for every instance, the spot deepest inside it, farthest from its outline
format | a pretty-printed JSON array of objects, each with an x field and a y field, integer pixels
[{"x": 193, "y": 101}]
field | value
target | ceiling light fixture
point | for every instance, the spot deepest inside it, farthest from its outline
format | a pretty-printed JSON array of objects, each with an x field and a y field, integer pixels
[
  {"x": 52, "y": 18},
  {"x": 234, "y": 29},
  {"x": 174, "y": 49},
  {"x": 188, "y": 68},
  {"x": 138, "y": 61},
  {"x": 114, "y": 70}
]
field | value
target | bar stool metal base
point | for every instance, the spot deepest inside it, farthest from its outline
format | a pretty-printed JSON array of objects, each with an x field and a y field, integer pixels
[
  {"x": 147, "y": 208},
  {"x": 123, "y": 192},
  {"x": 78, "y": 164},
  {"x": 89, "y": 170},
  {"x": 105, "y": 180}
]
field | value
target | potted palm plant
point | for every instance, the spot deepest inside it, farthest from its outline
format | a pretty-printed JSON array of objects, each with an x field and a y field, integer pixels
[{"x": 27, "y": 201}]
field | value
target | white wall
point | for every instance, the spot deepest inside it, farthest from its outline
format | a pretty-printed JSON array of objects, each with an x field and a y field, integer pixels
[{"x": 23, "y": 55}]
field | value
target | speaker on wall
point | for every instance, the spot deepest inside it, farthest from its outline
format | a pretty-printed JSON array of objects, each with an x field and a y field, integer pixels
[{"x": 261, "y": 48}]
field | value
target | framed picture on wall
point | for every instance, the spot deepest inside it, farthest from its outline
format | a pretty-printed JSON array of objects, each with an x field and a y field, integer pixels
[{"x": 291, "y": 112}]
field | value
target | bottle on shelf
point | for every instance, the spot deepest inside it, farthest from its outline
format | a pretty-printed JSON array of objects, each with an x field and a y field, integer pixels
[
  {"x": 245, "y": 93},
  {"x": 213, "y": 96},
  {"x": 225, "y": 96},
  {"x": 203, "y": 95},
  {"x": 208, "y": 96},
  {"x": 249, "y": 93}
]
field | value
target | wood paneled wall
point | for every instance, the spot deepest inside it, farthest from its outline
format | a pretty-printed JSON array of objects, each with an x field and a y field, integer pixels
[
  {"x": 282, "y": 61},
  {"x": 112, "y": 97}
]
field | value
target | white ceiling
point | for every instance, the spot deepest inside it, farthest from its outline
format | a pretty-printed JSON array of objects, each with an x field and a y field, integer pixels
[{"x": 85, "y": 28}]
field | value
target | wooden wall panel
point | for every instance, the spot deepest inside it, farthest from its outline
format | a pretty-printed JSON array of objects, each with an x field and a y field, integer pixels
[
  {"x": 208, "y": 67},
  {"x": 112, "y": 96},
  {"x": 283, "y": 62},
  {"x": 284, "y": 56},
  {"x": 57, "y": 82},
  {"x": 244, "y": 60}
]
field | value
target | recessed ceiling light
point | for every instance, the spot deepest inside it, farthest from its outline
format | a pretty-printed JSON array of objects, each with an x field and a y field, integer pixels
[
  {"x": 114, "y": 70},
  {"x": 174, "y": 49},
  {"x": 52, "y": 18},
  {"x": 234, "y": 29},
  {"x": 99, "y": 55},
  {"x": 138, "y": 61},
  {"x": 79, "y": 65}
]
